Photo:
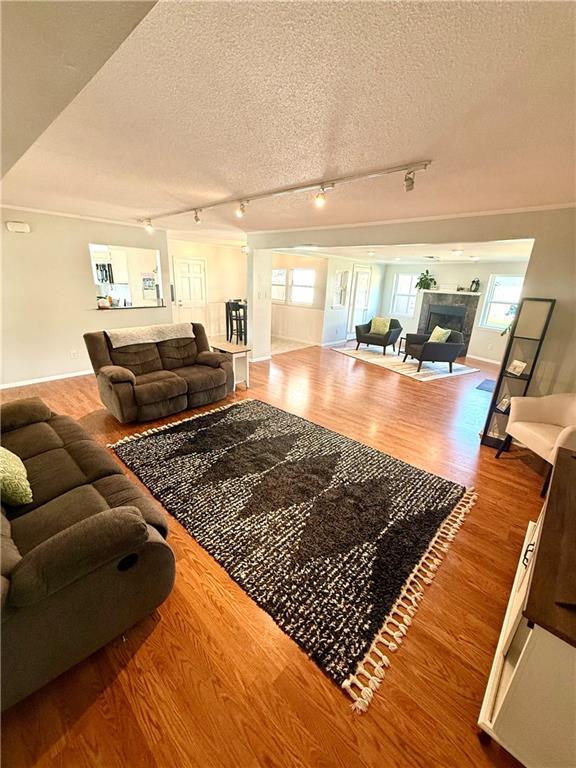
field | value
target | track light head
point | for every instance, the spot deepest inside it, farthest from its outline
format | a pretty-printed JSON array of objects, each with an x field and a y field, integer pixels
[
  {"x": 148, "y": 226},
  {"x": 409, "y": 179},
  {"x": 320, "y": 198},
  {"x": 197, "y": 215},
  {"x": 240, "y": 210}
]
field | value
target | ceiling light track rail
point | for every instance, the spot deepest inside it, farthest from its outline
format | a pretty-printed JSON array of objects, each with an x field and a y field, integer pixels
[{"x": 320, "y": 187}]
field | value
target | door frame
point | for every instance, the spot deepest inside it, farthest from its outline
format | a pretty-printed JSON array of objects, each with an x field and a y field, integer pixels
[
  {"x": 356, "y": 268},
  {"x": 174, "y": 292}
]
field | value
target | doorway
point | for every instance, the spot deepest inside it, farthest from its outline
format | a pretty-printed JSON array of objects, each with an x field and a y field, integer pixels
[
  {"x": 189, "y": 290},
  {"x": 360, "y": 297}
]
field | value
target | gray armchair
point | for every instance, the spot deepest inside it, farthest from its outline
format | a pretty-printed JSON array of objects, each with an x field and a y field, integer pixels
[
  {"x": 418, "y": 347},
  {"x": 363, "y": 335}
]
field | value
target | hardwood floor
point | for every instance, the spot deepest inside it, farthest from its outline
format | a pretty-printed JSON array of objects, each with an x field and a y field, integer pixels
[{"x": 209, "y": 680}]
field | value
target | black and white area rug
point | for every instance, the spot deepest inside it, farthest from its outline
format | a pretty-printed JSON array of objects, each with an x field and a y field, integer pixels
[{"x": 333, "y": 539}]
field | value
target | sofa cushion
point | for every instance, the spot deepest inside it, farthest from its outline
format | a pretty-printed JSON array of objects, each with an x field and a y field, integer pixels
[
  {"x": 31, "y": 440},
  {"x": 14, "y": 484},
  {"x": 51, "y": 518},
  {"x": 93, "y": 461},
  {"x": 10, "y": 555},
  {"x": 138, "y": 358},
  {"x": 201, "y": 377},
  {"x": 68, "y": 430},
  {"x": 21, "y": 412},
  {"x": 50, "y": 474},
  {"x": 157, "y": 386},
  {"x": 176, "y": 353}
]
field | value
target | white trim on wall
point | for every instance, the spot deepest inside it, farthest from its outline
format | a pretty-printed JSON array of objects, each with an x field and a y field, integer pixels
[{"x": 58, "y": 376}]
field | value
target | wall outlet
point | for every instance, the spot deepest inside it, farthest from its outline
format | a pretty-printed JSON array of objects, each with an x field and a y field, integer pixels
[{"x": 74, "y": 354}]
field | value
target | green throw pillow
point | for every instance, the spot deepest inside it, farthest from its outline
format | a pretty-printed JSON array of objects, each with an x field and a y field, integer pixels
[
  {"x": 380, "y": 325},
  {"x": 14, "y": 486},
  {"x": 440, "y": 334}
]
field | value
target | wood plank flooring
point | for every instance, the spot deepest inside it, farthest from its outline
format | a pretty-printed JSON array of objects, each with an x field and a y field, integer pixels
[{"x": 209, "y": 680}]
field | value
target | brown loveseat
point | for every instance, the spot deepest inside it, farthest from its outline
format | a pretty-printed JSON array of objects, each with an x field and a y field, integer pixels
[
  {"x": 83, "y": 562},
  {"x": 146, "y": 381}
]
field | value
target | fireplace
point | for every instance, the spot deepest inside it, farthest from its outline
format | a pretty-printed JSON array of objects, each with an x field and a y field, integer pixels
[
  {"x": 455, "y": 310},
  {"x": 446, "y": 316}
]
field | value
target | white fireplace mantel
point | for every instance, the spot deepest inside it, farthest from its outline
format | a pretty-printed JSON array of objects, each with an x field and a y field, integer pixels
[{"x": 440, "y": 291}]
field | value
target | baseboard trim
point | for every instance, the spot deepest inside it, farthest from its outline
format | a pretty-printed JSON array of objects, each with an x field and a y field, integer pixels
[
  {"x": 41, "y": 380},
  {"x": 332, "y": 343},
  {"x": 299, "y": 341},
  {"x": 484, "y": 359},
  {"x": 260, "y": 359}
]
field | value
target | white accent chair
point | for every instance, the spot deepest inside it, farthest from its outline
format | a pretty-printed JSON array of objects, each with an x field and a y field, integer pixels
[{"x": 542, "y": 424}]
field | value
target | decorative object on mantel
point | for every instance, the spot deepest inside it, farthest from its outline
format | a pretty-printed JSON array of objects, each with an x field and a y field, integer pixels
[
  {"x": 474, "y": 285},
  {"x": 525, "y": 340},
  {"x": 426, "y": 281},
  {"x": 336, "y": 541}
]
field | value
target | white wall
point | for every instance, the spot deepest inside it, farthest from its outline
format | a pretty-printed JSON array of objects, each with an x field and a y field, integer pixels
[
  {"x": 226, "y": 277},
  {"x": 486, "y": 344},
  {"x": 259, "y": 303},
  {"x": 298, "y": 321},
  {"x": 49, "y": 296},
  {"x": 551, "y": 271}
]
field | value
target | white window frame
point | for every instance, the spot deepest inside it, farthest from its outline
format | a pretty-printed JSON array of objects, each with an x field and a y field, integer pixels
[
  {"x": 340, "y": 291},
  {"x": 413, "y": 279},
  {"x": 280, "y": 285},
  {"x": 299, "y": 285},
  {"x": 488, "y": 301}
]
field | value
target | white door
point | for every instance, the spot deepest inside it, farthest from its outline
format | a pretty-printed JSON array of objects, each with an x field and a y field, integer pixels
[
  {"x": 360, "y": 297},
  {"x": 189, "y": 290}
]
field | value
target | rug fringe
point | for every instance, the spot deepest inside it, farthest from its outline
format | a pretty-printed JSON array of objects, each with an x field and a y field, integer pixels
[
  {"x": 154, "y": 430},
  {"x": 369, "y": 673}
]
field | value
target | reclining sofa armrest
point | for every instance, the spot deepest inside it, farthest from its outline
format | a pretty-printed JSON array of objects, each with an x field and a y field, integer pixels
[
  {"x": 75, "y": 552},
  {"x": 117, "y": 374},
  {"x": 20, "y": 413},
  {"x": 213, "y": 359}
]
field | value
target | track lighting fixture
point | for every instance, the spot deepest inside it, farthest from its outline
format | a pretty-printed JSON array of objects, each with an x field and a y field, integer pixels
[
  {"x": 318, "y": 187},
  {"x": 320, "y": 198}
]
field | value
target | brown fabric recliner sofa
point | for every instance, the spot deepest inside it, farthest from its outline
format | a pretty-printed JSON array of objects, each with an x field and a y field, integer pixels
[
  {"x": 83, "y": 562},
  {"x": 142, "y": 382}
]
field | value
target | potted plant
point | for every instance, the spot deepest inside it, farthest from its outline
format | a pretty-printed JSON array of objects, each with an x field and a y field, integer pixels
[{"x": 426, "y": 281}]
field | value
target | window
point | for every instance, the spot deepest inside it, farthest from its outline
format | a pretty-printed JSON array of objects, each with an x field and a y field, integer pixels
[
  {"x": 302, "y": 288},
  {"x": 501, "y": 301},
  {"x": 340, "y": 295},
  {"x": 278, "y": 292},
  {"x": 404, "y": 295}
]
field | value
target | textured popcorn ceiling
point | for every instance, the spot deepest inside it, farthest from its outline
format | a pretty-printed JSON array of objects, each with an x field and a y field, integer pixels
[{"x": 208, "y": 100}]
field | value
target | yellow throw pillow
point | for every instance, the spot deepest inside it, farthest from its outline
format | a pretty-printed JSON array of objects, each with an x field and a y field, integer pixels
[
  {"x": 14, "y": 486},
  {"x": 440, "y": 334},
  {"x": 380, "y": 325}
]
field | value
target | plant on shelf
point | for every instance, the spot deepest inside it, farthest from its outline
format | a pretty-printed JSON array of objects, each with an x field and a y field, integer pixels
[{"x": 426, "y": 281}]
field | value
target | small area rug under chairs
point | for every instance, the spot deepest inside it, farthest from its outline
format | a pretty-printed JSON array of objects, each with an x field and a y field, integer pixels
[
  {"x": 336, "y": 541},
  {"x": 393, "y": 362}
]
